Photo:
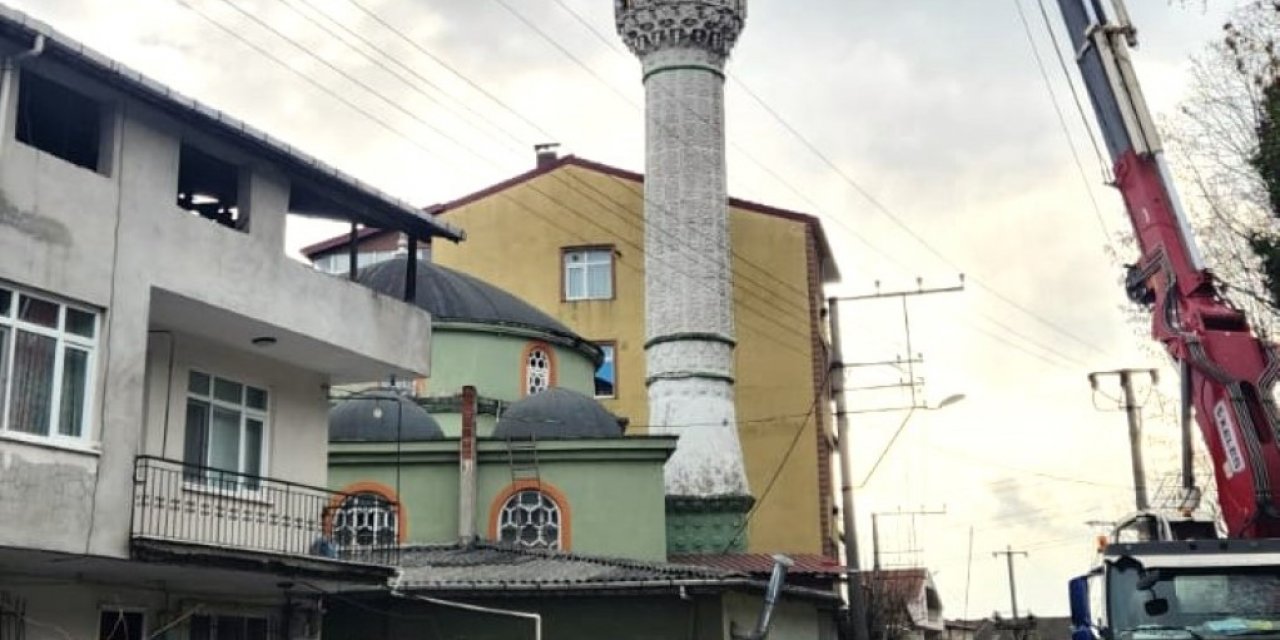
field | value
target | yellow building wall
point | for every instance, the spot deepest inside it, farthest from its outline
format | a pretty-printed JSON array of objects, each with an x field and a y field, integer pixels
[{"x": 514, "y": 240}]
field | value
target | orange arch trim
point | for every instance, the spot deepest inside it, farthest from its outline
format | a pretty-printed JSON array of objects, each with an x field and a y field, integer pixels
[
  {"x": 556, "y": 495},
  {"x": 368, "y": 486},
  {"x": 552, "y": 373}
]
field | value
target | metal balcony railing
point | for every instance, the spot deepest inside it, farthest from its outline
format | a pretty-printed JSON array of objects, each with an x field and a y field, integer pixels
[{"x": 184, "y": 503}]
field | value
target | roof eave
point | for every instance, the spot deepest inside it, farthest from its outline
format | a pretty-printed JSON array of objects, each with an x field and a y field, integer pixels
[{"x": 373, "y": 207}]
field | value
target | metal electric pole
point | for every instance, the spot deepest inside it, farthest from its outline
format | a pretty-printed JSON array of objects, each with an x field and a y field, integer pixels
[{"x": 1133, "y": 412}]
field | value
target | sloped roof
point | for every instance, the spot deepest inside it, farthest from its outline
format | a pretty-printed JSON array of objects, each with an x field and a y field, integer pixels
[
  {"x": 373, "y": 207},
  {"x": 762, "y": 563},
  {"x": 487, "y": 567},
  {"x": 814, "y": 222}
]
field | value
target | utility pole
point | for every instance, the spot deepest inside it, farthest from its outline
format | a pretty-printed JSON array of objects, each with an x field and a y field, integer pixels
[
  {"x": 912, "y": 359},
  {"x": 1008, "y": 554},
  {"x": 857, "y": 599},
  {"x": 1133, "y": 412},
  {"x": 875, "y": 530},
  {"x": 853, "y": 577}
]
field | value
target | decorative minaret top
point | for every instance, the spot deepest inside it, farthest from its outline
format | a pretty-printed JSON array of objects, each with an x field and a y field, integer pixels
[
  {"x": 711, "y": 26},
  {"x": 683, "y": 45}
]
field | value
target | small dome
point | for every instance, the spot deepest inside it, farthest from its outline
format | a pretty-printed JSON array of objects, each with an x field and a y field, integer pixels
[
  {"x": 557, "y": 413},
  {"x": 381, "y": 415}
]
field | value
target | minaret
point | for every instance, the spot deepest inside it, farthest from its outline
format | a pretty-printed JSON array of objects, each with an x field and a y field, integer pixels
[{"x": 683, "y": 46}]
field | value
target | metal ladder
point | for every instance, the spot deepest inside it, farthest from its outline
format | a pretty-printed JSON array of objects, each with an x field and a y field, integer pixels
[{"x": 522, "y": 458}]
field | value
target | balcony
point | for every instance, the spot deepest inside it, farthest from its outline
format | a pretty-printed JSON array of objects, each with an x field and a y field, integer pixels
[{"x": 189, "y": 513}]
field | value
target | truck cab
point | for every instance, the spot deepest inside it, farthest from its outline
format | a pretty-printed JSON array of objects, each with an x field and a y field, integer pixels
[{"x": 1180, "y": 589}]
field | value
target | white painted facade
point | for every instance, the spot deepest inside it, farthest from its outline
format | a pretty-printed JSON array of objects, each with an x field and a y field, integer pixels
[
  {"x": 172, "y": 292},
  {"x": 683, "y": 47}
]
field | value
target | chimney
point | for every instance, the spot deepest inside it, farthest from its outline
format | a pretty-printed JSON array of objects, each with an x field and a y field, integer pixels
[
  {"x": 546, "y": 153},
  {"x": 467, "y": 468}
]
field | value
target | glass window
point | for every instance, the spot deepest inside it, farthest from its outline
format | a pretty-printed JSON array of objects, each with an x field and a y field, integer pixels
[
  {"x": 46, "y": 366},
  {"x": 538, "y": 370},
  {"x": 366, "y": 520},
  {"x": 588, "y": 274},
  {"x": 225, "y": 431},
  {"x": 530, "y": 518},
  {"x": 606, "y": 373}
]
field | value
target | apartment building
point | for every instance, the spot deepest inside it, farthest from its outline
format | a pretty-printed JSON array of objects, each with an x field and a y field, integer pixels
[{"x": 165, "y": 367}]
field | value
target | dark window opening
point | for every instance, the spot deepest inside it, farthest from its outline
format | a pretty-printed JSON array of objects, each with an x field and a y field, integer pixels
[
  {"x": 120, "y": 625},
  {"x": 59, "y": 120},
  {"x": 210, "y": 188}
]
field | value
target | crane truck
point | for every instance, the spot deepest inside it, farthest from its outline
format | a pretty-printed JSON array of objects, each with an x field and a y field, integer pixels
[{"x": 1161, "y": 576}]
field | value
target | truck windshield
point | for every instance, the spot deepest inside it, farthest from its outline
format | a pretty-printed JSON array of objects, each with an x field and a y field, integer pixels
[{"x": 1195, "y": 603}]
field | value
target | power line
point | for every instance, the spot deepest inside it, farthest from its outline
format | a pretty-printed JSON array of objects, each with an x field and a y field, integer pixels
[
  {"x": 768, "y": 334},
  {"x": 826, "y": 160},
  {"x": 1062, "y": 121}
]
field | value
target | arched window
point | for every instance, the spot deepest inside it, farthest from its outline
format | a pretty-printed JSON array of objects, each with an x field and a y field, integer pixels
[
  {"x": 539, "y": 368},
  {"x": 366, "y": 520},
  {"x": 531, "y": 513},
  {"x": 530, "y": 518}
]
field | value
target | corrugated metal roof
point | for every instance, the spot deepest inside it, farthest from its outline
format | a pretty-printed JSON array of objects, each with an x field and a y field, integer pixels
[
  {"x": 762, "y": 563},
  {"x": 486, "y": 564},
  {"x": 392, "y": 213}
]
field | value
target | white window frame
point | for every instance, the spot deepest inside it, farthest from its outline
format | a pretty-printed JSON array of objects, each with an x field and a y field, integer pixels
[
  {"x": 64, "y": 339},
  {"x": 592, "y": 257},
  {"x": 246, "y": 413}
]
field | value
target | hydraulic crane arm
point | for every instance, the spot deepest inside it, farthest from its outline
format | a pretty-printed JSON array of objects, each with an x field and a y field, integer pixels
[{"x": 1228, "y": 372}]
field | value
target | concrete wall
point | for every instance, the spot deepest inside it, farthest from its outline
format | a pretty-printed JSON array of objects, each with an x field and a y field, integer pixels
[
  {"x": 613, "y": 489},
  {"x": 58, "y": 610},
  {"x": 778, "y": 355},
  {"x": 117, "y": 241}
]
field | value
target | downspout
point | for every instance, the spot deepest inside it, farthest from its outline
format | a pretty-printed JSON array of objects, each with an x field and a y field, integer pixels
[
  {"x": 535, "y": 617},
  {"x": 6, "y": 82},
  {"x": 776, "y": 581},
  {"x": 467, "y": 468}
]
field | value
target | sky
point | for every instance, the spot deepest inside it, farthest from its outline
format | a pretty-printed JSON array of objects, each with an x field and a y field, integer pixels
[{"x": 920, "y": 131}]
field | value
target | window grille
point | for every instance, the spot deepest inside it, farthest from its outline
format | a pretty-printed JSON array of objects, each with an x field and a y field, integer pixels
[
  {"x": 537, "y": 376},
  {"x": 530, "y": 518},
  {"x": 366, "y": 520}
]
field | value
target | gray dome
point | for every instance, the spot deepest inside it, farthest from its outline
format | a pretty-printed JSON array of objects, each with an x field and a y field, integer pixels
[
  {"x": 454, "y": 296},
  {"x": 557, "y": 413},
  {"x": 353, "y": 419}
]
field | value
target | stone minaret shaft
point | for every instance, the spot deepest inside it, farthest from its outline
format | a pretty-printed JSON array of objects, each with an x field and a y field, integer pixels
[{"x": 683, "y": 46}]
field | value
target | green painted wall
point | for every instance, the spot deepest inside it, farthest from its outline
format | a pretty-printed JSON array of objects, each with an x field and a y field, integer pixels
[
  {"x": 613, "y": 488},
  {"x": 563, "y": 618},
  {"x": 493, "y": 362}
]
